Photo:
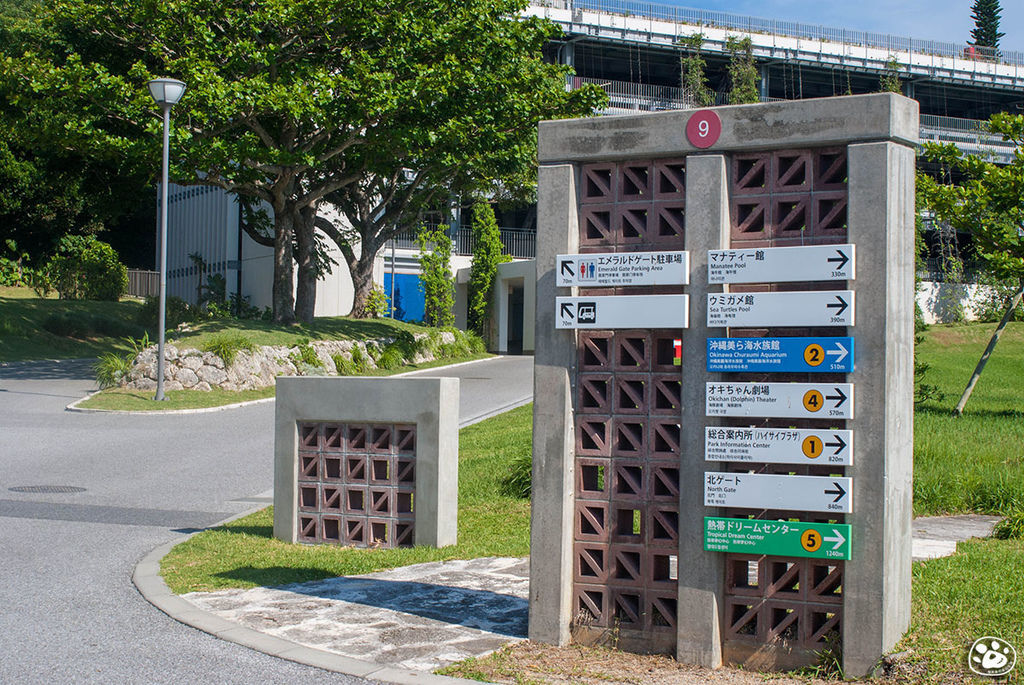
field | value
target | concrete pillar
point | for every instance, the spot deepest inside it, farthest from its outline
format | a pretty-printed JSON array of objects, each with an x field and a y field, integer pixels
[
  {"x": 763, "y": 85},
  {"x": 701, "y": 573},
  {"x": 876, "y": 604},
  {"x": 554, "y": 361}
]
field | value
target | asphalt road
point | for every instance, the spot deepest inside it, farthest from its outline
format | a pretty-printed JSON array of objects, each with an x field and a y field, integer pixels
[{"x": 68, "y": 609}]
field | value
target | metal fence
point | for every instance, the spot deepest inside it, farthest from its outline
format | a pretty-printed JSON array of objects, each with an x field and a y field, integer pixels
[
  {"x": 702, "y": 17},
  {"x": 644, "y": 97},
  {"x": 517, "y": 242},
  {"x": 143, "y": 283}
]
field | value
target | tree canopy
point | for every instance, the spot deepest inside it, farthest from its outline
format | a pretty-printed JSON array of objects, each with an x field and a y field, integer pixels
[
  {"x": 986, "y": 23},
  {"x": 290, "y": 101}
]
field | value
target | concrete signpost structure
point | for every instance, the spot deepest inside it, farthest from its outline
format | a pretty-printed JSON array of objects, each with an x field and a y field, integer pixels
[{"x": 729, "y": 484}]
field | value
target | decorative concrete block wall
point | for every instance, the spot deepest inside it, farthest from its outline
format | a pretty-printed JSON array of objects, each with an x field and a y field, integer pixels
[
  {"x": 617, "y": 548},
  {"x": 366, "y": 462}
]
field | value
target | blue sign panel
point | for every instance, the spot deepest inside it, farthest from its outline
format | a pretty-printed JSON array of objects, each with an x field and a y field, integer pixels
[{"x": 780, "y": 355}]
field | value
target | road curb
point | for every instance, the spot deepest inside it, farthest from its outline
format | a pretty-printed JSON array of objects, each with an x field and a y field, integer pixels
[{"x": 147, "y": 580}]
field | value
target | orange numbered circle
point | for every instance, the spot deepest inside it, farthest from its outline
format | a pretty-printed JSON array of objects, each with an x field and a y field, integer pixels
[
  {"x": 813, "y": 400},
  {"x": 814, "y": 355},
  {"x": 812, "y": 447},
  {"x": 810, "y": 540}
]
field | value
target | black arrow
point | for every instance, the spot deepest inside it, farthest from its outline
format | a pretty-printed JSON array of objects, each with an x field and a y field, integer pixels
[
  {"x": 842, "y": 259},
  {"x": 841, "y": 397},
  {"x": 840, "y": 306},
  {"x": 838, "y": 492},
  {"x": 568, "y": 268},
  {"x": 839, "y": 444},
  {"x": 567, "y": 310}
]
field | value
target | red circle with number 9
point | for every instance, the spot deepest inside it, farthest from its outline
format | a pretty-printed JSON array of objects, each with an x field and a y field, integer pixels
[{"x": 703, "y": 129}]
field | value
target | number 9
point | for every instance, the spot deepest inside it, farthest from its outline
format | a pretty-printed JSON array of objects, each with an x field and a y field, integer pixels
[{"x": 703, "y": 127}]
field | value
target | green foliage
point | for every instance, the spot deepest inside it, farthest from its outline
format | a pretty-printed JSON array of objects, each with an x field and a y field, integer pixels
[
  {"x": 305, "y": 357},
  {"x": 436, "y": 277},
  {"x": 1011, "y": 527},
  {"x": 889, "y": 81},
  {"x": 391, "y": 358},
  {"x": 176, "y": 312},
  {"x": 693, "y": 77},
  {"x": 519, "y": 481},
  {"x": 992, "y": 303},
  {"x": 227, "y": 346},
  {"x": 487, "y": 255},
  {"x": 743, "y": 76},
  {"x": 986, "y": 23},
  {"x": 376, "y": 303},
  {"x": 85, "y": 268},
  {"x": 111, "y": 368},
  {"x": 84, "y": 325}
]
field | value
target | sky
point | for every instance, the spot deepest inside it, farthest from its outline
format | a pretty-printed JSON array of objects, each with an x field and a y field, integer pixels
[{"x": 942, "y": 20}]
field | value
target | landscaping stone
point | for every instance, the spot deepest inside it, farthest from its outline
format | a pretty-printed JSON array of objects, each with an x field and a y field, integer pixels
[{"x": 212, "y": 375}]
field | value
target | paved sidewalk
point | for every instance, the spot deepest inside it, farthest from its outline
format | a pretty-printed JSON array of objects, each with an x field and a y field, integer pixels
[{"x": 420, "y": 617}]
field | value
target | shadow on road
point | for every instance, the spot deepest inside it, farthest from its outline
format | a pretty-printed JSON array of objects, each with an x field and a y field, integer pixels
[{"x": 48, "y": 370}]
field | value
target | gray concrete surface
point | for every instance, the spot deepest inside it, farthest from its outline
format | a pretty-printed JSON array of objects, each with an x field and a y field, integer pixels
[
  {"x": 418, "y": 617},
  {"x": 936, "y": 536},
  {"x": 69, "y": 610}
]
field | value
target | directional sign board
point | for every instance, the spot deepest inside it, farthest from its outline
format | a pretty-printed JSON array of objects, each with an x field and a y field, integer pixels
[
  {"x": 777, "y": 538},
  {"x": 778, "y": 355},
  {"x": 779, "y": 445},
  {"x": 623, "y": 269},
  {"x": 623, "y": 311},
  {"x": 796, "y": 400},
  {"x": 770, "y": 491},
  {"x": 804, "y": 308},
  {"x": 778, "y": 264}
]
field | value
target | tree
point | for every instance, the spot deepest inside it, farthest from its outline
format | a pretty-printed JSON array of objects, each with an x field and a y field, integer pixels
[
  {"x": 889, "y": 81},
  {"x": 436, "y": 277},
  {"x": 282, "y": 95},
  {"x": 988, "y": 204},
  {"x": 693, "y": 70},
  {"x": 742, "y": 71},
  {"x": 986, "y": 23},
  {"x": 487, "y": 255}
]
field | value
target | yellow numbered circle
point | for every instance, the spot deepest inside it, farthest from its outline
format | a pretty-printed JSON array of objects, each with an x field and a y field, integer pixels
[
  {"x": 812, "y": 447},
  {"x": 810, "y": 540},
  {"x": 814, "y": 354},
  {"x": 813, "y": 400}
]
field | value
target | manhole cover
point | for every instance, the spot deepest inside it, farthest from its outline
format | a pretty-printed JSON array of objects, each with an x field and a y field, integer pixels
[{"x": 49, "y": 489}]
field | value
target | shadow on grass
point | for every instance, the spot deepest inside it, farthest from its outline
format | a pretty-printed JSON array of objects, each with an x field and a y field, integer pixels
[
  {"x": 255, "y": 531},
  {"x": 933, "y": 410},
  {"x": 325, "y": 328},
  {"x": 494, "y": 612}
]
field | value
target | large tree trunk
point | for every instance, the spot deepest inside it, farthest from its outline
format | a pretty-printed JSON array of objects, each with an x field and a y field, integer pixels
[
  {"x": 361, "y": 270},
  {"x": 283, "y": 300},
  {"x": 305, "y": 241}
]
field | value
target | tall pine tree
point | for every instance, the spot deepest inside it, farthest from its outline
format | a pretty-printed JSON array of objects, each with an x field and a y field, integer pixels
[{"x": 986, "y": 23}]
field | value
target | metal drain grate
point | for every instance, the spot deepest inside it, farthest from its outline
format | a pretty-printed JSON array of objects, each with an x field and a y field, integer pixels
[{"x": 48, "y": 489}]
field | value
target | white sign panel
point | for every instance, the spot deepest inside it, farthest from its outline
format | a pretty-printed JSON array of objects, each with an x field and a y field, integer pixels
[
  {"x": 623, "y": 311},
  {"x": 790, "y": 400},
  {"x": 804, "y": 308},
  {"x": 779, "y": 445},
  {"x": 779, "y": 264},
  {"x": 622, "y": 269},
  {"x": 768, "y": 491}
]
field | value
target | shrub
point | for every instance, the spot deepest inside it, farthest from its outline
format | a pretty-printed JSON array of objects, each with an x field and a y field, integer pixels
[
  {"x": 359, "y": 360},
  {"x": 487, "y": 255},
  {"x": 85, "y": 268},
  {"x": 391, "y": 358},
  {"x": 376, "y": 304},
  {"x": 227, "y": 346},
  {"x": 112, "y": 368},
  {"x": 84, "y": 325},
  {"x": 518, "y": 482},
  {"x": 344, "y": 365},
  {"x": 305, "y": 358},
  {"x": 436, "y": 277},
  {"x": 1011, "y": 527},
  {"x": 176, "y": 311}
]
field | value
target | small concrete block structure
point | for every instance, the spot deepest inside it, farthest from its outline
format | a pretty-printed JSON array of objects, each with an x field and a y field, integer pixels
[
  {"x": 366, "y": 461},
  {"x": 620, "y": 471}
]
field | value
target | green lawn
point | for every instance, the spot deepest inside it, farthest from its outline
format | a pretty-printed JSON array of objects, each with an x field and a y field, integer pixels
[
  {"x": 244, "y": 554},
  {"x": 23, "y": 337},
  {"x": 974, "y": 462}
]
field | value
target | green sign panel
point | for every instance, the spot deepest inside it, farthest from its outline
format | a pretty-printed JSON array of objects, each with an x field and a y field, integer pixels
[{"x": 777, "y": 538}]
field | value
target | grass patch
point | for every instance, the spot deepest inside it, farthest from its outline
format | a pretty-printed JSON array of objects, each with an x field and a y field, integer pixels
[
  {"x": 972, "y": 463},
  {"x": 266, "y": 333},
  {"x": 121, "y": 399},
  {"x": 32, "y": 327},
  {"x": 227, "y": 346},
  {"x": 976, "y": 592},
  {"x": 244, "y": 554}
]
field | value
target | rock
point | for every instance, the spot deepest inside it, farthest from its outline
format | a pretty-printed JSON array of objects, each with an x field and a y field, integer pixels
[
  {"x": 173, "y": 385},
  {"x": 187, "y": 377},
  {"x": 211, "y": 375},
  {"x": 144, "y": 384},
  {"x": 170, "y": 353},
  {"x": 202, "y": 386},
  {"x": 210, "y": 359},
  {"x": 192, "y": 361}
]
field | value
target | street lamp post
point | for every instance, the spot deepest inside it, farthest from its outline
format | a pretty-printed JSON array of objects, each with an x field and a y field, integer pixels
[{"x": 166, "y": 92}]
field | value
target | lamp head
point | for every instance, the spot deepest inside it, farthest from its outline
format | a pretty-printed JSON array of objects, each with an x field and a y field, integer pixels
[{"x": 166, "y": 91}]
